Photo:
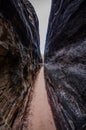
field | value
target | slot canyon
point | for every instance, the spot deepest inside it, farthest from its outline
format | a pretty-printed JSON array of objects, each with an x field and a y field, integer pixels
[{"x": 37, "y": 94}]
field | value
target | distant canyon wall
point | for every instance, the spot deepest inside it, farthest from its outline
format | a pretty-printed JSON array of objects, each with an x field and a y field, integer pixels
[
  {"x": 65, "y": 63},
  {"x": 19, "y": 60}
]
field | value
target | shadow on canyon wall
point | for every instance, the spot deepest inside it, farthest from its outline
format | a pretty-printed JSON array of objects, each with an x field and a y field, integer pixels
[{"x": 65, "y": 62}]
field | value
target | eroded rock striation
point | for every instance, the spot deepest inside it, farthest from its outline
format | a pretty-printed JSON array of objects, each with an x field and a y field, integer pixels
[
  {"x": 65, "y": 63},
  {"x": 19, "y": 60}
]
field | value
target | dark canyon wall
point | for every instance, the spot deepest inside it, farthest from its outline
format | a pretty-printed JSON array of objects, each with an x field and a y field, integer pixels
[
  {"x": 19, "y": 60},
  {"x": 65, "y": 63}
]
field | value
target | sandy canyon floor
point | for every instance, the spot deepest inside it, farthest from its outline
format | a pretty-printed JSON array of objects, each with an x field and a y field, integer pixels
[{"x": 40, "y": 115}]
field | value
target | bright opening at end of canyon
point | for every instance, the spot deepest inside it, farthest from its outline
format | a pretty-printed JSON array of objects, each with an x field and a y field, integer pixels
[{"x": 42, "y": 8}]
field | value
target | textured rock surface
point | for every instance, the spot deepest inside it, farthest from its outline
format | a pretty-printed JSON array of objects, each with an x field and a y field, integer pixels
[
  {"x": 65, "y": 68},
  {"x": 19, "y": 60}
]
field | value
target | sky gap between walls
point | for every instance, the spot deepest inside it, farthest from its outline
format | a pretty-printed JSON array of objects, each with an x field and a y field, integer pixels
[{"x": 42, "y": 8}]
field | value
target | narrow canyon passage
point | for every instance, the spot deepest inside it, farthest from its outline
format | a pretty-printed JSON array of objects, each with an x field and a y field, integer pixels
[{"x": 40, "y": 112}]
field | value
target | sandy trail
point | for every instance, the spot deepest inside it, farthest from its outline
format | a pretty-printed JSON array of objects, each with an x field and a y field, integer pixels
[{"x": 40, "y": 117}]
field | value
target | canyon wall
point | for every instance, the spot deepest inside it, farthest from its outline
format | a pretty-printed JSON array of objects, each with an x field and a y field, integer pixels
[
  {"x": 65, "y": 63},
  {"x": 19, "y": 60}
]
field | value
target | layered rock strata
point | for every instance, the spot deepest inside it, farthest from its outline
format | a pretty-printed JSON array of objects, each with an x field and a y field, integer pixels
[
  {"x": 65, "y": 63},
  {"x": 19, "y": 60}
]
